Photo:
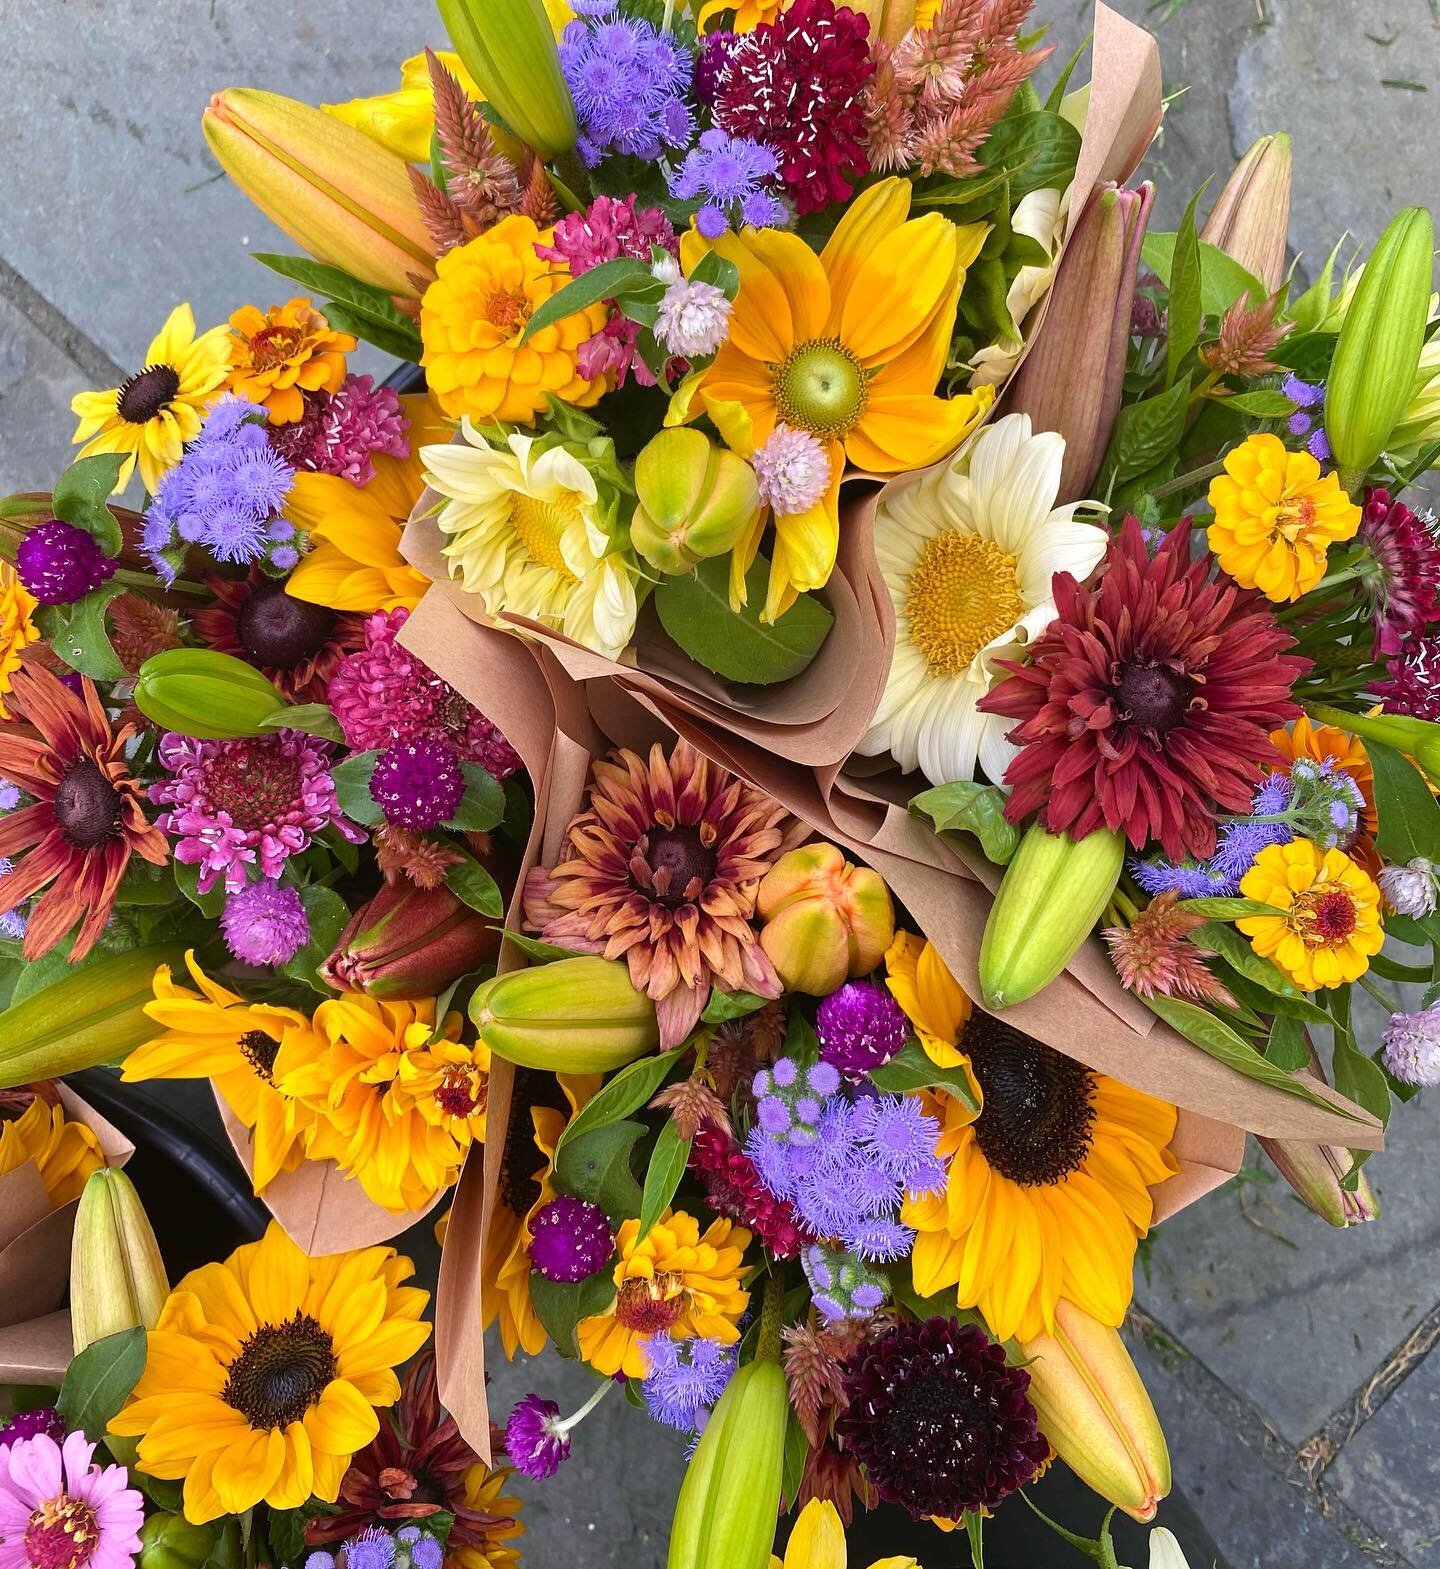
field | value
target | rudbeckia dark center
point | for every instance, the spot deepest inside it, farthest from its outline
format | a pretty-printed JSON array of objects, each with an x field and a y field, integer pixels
[
  {"x": 260, "y": 1051},
  {"x": 62, "y": 1533},
  {"x": 148, "y": 393},
  {"x": 282, "y": 1371},
  {"x": 87, "y": 805},
  {"x": 672, "y": 865},
  {"x": 1152, "y": 696},
  {"x": 522, "y": 1159},
  {"x": 279, "y": 630},
  {"x": 1035, "y": 1128}
]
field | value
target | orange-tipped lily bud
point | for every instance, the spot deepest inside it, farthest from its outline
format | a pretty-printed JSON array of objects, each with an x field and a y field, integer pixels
[
  {"x": 1073, "y": 379},
  {"x": 1096, "y": 1413},
  {"x": 339, "y": 195},
  {"x": 1250, "y": 220},
  {"x": 825, "y": 919}
]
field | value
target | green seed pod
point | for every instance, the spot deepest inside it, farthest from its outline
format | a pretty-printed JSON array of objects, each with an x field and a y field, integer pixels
[
  {"x": 199, "y": 692},
  {"x": 578, "y": 1015},
  {"x": 694, "y": 500}
]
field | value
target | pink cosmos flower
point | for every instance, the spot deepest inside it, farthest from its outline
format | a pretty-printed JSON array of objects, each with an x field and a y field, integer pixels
[{"x": 58, "y": 1510}]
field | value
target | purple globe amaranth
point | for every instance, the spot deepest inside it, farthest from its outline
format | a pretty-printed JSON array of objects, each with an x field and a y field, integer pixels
[
  {"x": 418, "y": 783},
  {"x": 534, "y": 1439},
  {"x": 27, "y": 1424},
  {"x": 570, "y": 1239},
  {"x": 265, "y": 923},
  {"x": 60, "y": 563},
  {"x": 860, "y": 1027}
]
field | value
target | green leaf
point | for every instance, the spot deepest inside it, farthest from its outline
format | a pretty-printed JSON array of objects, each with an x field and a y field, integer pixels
[
  {"x": 169, "y": 1541},
  {"x": 974, "y": 808},
  {"x": 1185, "y": 310},
  {"x": 1224, "y": 909},
  {"x": 630, "y": 1088},
  {"x": 1047, "y": 146},
  {"x": 483, "y": 803},
  {"x": 596, "y": 1165},
  {"x": 1236, "y": 950},
  {"x": 609, "y": 281},
  {"x": 78, "y": 634},
  {"x": 1145, "y": 434},
  {"x": 473, "y": 885},
  {"x": 1264, "y": 404},
  {"x": 560, "y": 1305},
  {"x": 81, "y": 499},
  {"x": 312, "y": 718},
  {"x": 1359, "y": 1079},
  {"x": 1057, "y": 92},
  {"x": 962, "y": 193},
  {"x": 1311, "y": 309},
  {"x": 1222, "y": 279},
  {"x": 352, "y": 788},
  {"x": 400, "y": 339},
  {"x": 1287, "y": 1047},
  {"x": 99, "y": 1381},
  {"x": 540, "y": 952},
  {"x": 1258, "y": 1000},
  {"x": 792, "y": 1469},
  {"x": 662, "y": 1176},
  {"x": 329, "y": 915},
  {"x": 730, "y": 1005},
  {"x": 1409, "y": 814},
  {"x": 187, "y": 880},
  {"x": 695, "y": 611},
  {"x": 285, "y": 1531},
  {"x": 911, "y": 1069},
  {"x": 337, "y": 285},
  {"x": 715, "y": 270}
]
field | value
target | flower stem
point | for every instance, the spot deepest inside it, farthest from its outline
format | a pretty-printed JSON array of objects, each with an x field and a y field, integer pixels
[
  {"x": 606, "y": 1385},
  {"x": 1185, "y": 481},
  {"x": 1378, "y": 992},
  {"x": 135, "y": 579},
  {"x": 770, "y": 1316}
]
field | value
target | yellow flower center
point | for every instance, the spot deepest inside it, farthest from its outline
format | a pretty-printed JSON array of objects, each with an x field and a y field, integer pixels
[
  {"x": 1323, "y": 916},
  {"x": 961, "y": 594},
  {"x": 1294, "y": 517},
  {"x": 821, "y": 387},
  {"x": 507, "y": 309},
  {"x": 540, "y": 525}
]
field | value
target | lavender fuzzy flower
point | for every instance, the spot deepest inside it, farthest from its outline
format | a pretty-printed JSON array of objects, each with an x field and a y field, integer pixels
[
  {"x": 792, "y": 470},
  {"x": 1308, "y": 420},
  {"x": 1410, "y": 1047},
  {"x": 12, "y": 923},
  {"x": 732, "y": 179},
  {"x": 9, "y": 796},
  {"x": 1189, "y": 880},
  {"x": 629, "y": 83},
  {"x": 265, "y": 923},
  {"x": 685, "y": 1380}
]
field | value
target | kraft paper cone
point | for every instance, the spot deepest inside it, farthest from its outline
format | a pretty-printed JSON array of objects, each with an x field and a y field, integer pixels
[{"x": 37, "y": 1351}]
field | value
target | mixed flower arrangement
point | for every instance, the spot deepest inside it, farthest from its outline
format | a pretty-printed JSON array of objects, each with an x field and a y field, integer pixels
[{"x": 573, "y": 793}]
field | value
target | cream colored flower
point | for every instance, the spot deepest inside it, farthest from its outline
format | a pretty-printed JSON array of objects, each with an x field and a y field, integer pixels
[
  {"x": 968, "y": 551},
  {"x": 527, "y": 533},
  {"x": 1040, "y": 216}
]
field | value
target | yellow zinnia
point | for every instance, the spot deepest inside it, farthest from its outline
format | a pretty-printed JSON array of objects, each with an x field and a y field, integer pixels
[
  {"x": 64, "y": 1152},
  {"x": 153, "y": 413},
  {"x": 215, "y": 1034},
  {"x": 17, "y": 627},
  {"x": 264, "y": 1372},
  {"x": 1276, "y": 516},
  {"x": 1326, "y": 924},
  {"x": 283, "y": 353},
  {"x": 675, "y": 1282},
  {"x": 354, "y": 562},
  {"x": 847, "y": 346},
  {"x": 817, "y": 1541}
]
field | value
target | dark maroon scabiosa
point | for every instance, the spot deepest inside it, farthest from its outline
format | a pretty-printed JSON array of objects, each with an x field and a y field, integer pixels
[
  {"x": 860, "y": 1027},
  {"x": 417, "y": 784},
  {"x": 1147, "y": 704},
  {"x": 797, "y": 84},
  {"x": 1401, "y": 576},
  {"x": 938, "y": 1421},
  {"x": 570, "y": 1239},
  {"x": 60, "y": 563},
  {"x": 734, "y": 1189},
  {"x": 1412, "y": 684}
]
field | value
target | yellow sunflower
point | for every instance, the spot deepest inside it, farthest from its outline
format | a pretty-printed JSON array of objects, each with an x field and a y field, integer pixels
[
  {"x": 675, "y": 1282},
  {"x": 847, "y": 347},
  {"x": 1048, "y": 1187},
  {"x": 17, "y": 627},
  {"x": 283, "y": 353},
  {"x": 64, "y": 1152},
  {"x": 354, "y": 562},
  {"x": 215, "y": 1034},
  {"x": 499, "y": 1511},
  {"x": 1326, "y": 924},
  {"x": 152, "y": 414}
]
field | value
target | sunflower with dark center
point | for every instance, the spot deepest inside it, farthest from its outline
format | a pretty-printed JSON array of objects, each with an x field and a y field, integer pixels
[
  {"x": 86, "y": 820},
  {"x": 296, "y": 644},
  {"x": 662, "y": 870},
  {"x": 1146, "y": 705},
  {"x": 264, "y": 1374}
]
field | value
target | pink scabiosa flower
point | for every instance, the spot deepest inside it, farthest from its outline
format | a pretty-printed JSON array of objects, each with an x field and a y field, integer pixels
[
  {"x": 1155, "y": 958},
  {"x": 1402, "y": 575},
  {"x": 1412, "y": 684},
  {"x": 792, "y": 470},
  {"x": 252, "y": 802},
  {"x": 59, "y": 1510},
  {"x": 340, "y": 432}
]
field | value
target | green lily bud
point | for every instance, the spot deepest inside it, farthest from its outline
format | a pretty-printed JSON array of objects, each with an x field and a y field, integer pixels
[
  {"x": 578, "y": 1015},
  {"x": 509, "y": 50},
  {"x": 695, "y": 500},
  {"x": 117, "y": 1277},
  {"x": 725, "y": 1514},
  {"x": 199, "y": 692},
  {"x": 1372, "y": 377}
]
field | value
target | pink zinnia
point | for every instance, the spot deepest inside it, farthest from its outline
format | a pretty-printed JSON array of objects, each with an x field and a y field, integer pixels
[
  {"x": 340, "y": 433},
  {"x": 58, "y": 1510}
]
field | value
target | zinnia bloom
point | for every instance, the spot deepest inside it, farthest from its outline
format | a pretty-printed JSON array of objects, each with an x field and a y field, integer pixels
[
  {"x": 1147, "y": 704},
  {"x": 215, "y": 1034},
  {"x": 64, "y": 1152},
  {"x": 968, "y": 553},
  {"x": 152, "y": 414},
  {"x": 472, "y": 319},
  {"x": 86, "y": 819},
  {"x": 662, "y": 870},
  {"x": 265, "y": 1370},
  {"x": 283, "y": 353},
  {"x": 677, "y": 1283},
  {"x": 1326, "y": 924},
  {"x": 17, "y": 627},
  {"x": 59, "y": 1509},
  {"x": 848, "y": 345},
  {"x": 526, "y": 532},
  {"x": 1275, "y": 517}
]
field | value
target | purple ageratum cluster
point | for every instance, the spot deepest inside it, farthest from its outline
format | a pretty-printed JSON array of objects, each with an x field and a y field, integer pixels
[
  {"x": 225, "y": 496},
  {"x": 265, "y": 923},
  {"x": 375, "y": 1547},
  {"x": 13, "y": 922},
  {"x": 685, "y": 1380},
  {"x": 733, "y": 179},
  {"x": 842, "y": 1285},
  {"x": 1308, "y": 421},
  {"x": 860, "y": 1027},
  {"x": 629, "y": 83},
  {"x": 60, "y": 564}
]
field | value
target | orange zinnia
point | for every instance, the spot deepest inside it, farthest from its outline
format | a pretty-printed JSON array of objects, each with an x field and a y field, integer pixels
[{"x": 283, "y": 353}]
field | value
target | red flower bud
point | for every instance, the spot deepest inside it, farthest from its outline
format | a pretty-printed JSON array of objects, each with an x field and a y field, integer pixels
[{"x": 410, "y": 942}]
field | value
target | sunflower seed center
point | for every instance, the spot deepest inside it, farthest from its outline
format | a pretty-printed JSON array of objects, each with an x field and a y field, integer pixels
[{"x": 281, "y": 1371}]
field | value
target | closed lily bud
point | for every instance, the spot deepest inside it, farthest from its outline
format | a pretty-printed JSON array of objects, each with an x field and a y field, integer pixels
[
  {"x": 1314, "y": 1172},
  {"x": 1074, "y": 376},
  {"x": 693, "y": 500},
  {"x": 201, "y": 692},
  {"x": 117, "y": 1277},
  {"x": 1372, "y": 377},
  {"x": 825, "y": 919},
  {"x": 508, "y": 47},
  {"x": 410, "y": 942},
  {"x": 890, "y": 20},
  {"x": 1250, "y": 220},
  {"x": 1096, "y": 1412},
  {"x": 339, "y": 195},
  {"x": 578, "y": 1015}
]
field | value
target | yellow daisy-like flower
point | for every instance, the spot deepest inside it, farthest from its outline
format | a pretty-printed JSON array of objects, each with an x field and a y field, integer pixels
[
  {"x": 675, "y": 1282},
  {"x": 847, "y": 346},
  {"x": 153, "y": 413},
  {"x": 1326, "y": 924},
  {"x": 1047, "y": 1188},
  {"x": 264, "y": 1373},
  {"x": 283, "y": 353},
  {"x": 215, "y": 1034},
  {"x": 472, "y": 319},
  {"x": 817, "y": 1541},
  {"x": 749, "y": 14},
  {"x": 17, "y": 627},
  {"x": 64, "y": 1152},
  {"x": 354, "y": 531},
  {"x": 484, "y": 1493},
  {"x": 392, "y": 1109},
  {"x": 921, "y": 982},
  {"x": 1276, "y": 516}
]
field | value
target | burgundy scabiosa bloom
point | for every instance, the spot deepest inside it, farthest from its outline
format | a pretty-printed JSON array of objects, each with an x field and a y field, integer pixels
[
  {"x": 1146, "y": 705},
  {"x": 797, "y": 85},
  {"x": 1412, "y": 684},
  {"x": 570, "y": 1239},
  {"x": 60, "y": 563},
  {"x": 938, "y": 1421},
  {"x": 860, "y": 1027},
  {"x": 734, "y": 1189},
  {"x": 1402, "y": 576},
  {"x": 340, "y": 432}
]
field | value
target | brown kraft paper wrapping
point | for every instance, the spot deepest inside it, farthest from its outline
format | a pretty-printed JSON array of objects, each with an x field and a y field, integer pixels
[{"x": 37, "y": 1351}]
